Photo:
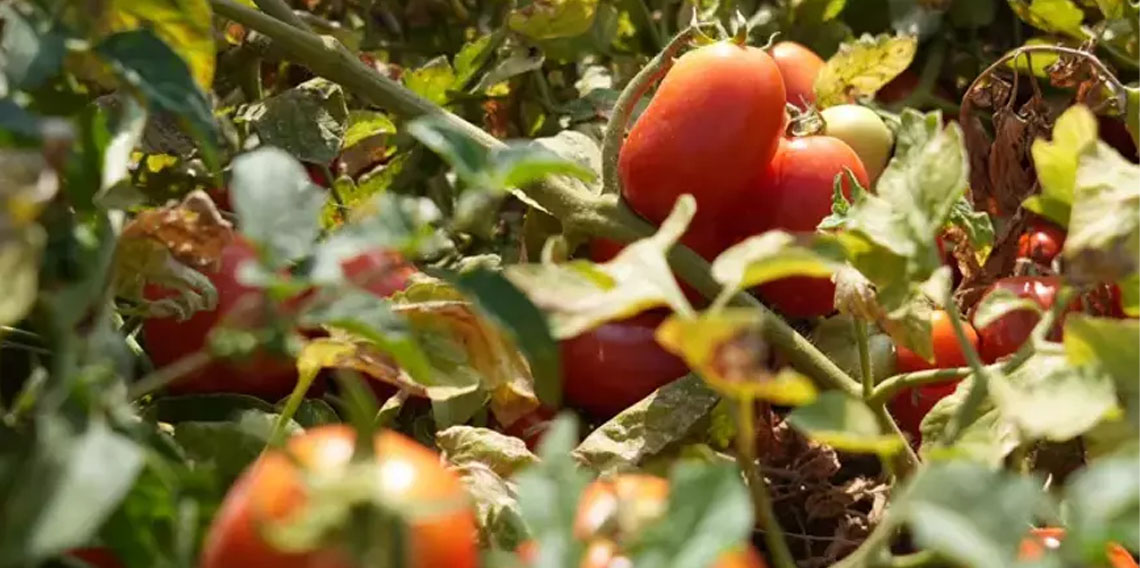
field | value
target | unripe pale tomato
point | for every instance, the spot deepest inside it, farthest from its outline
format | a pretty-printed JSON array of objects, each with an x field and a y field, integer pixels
[
  {"x": 864, "y": 132},
  {"x": 715, "y": 118},
  {"x": 638, "y": 500},
  {"x": 1041, "y": 540},
  {"x": 794, "y": 193},
  {"x": 799, "y": 66},
  {"x": 168, "y": 340},
  {"x": 1005, "y": 335},
  {"x": 910, "y": 406},
  {"x": 610, "y": 367},
  {"x": 272, "y": 490},
  {"x": 1041, "y": 242}
]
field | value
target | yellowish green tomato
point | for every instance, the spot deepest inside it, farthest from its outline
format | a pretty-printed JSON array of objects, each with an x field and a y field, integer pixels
[{"x": 864, "y": 131}]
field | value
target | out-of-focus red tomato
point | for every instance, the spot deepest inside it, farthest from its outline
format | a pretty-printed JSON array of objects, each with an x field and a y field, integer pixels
[{"x": 910, "y": 406}]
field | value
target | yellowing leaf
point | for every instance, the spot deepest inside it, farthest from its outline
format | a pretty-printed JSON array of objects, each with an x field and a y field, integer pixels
[
  {"x": 343, "y": 351},
  {"x": 774, "y": 255},
  {"x": 1053, "y": 16},
  {"x": 185, "y": 25},
  {"x": 580, "y": 295},
  {"x": 727, "y": 350},
  {"x": 550, "y": 19},
  {"x": 1056, "y": 162},
  {"x": 861, "y": 67}
]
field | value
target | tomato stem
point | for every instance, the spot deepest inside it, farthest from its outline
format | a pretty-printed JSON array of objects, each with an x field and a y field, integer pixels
[
  {"x": 160, "y": 378},
  {"x": 304, "y": 381},
  {"x": 978, "y": 388},
  {"x": 861, "y": 341},
  {"x": 627, "y": 100},
  {"x": 891, "y": 386},
  {"x": 758, "y": 487}
]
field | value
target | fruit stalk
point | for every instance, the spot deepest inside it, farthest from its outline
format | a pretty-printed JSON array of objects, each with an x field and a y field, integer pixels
[{"x": 979, "y": 388}]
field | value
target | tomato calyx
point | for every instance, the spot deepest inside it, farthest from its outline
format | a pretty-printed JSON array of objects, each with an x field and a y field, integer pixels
[{"x": 804, "y": 122}]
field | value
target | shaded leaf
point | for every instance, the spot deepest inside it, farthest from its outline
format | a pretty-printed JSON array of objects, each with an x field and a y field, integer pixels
[
  {"x": 33, "y": 50},
  {"x": 1048, "y": 398},
  {"x": 549, "y": 493},
  {"x": 309, "y": 121},
  {"x": 184, "y": 25}
]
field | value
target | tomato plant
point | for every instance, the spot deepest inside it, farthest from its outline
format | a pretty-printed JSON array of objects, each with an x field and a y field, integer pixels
[
  {"x": 799, "y": 67},
  {"x": 617, "y": 364},
  {"x": 1041, "y": 242},
  {"x": 676, "y": 147},
  {"x": 274, "y": 489},
  {"x": 910, "y": 406},
  {"x": 1005, "y": 335},
  {"x": 794, "y": 193}
]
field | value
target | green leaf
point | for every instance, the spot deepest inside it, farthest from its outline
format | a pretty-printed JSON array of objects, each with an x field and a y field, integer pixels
[
  {"x": 1103, "y": 242},
  {"x": 709, "y": 513},
  {"x": 670, "y": 414},
  {"x": 1053, "y": 16},
  {"x": 861, "y": 67},
  {"x": 384, "y": 221},
  {"x": 989, "y": 440},
  {"x": 505, "y": 455},
  {"x": 835, "y": 337},
  {"x": 184, "y": 25},
  {"x": 1130, "y": 295},
  {"x": 432, "y": 80},
  {"x": 978, "y": 226},
  {"x": 313, "y": 412},
  {"x": 1105, "y": 344},
  {"x": 512, "y": 310},
  {"x": 580, "y": 295},
  {"x": 544, "y": 20},
  {"x": 278, "y": 207},
  {"x": 1103, "y": 502},
  {"x": 970, "y": 513},
  {"x": 774, "y": 255},
  {"x": 363, "y": 124},
  {"x": 471, "y": 57},
  {"x": 520, "y": 60},
  {"x": 229, "y": 446},
  {"x": 308, "y": 121},
  {"x": 999, "y": 302},
  {"x": 581, "y": 149},
  {"x": 844, "y": 423},
  {"x": 1057, "y": 161},
  {"x": 1048, "y": 398},
  {"x": 549, "y": 493},
  {"x": 33, "y": 49},
  {"x": 145, "y": 62}
]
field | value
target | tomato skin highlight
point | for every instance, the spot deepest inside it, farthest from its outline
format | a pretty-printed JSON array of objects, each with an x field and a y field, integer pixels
[
  {"x": 799, "y": 66},
  {"x": 1041, "y": 242},
  {"x": 272, "y": 489},
  {"x": 1005, "y": 335},
  {"x": 910, "y": 406},
  {"x": 794, "y": 194},
  {"x": 715, "y": 118},
  {"x": 610, "y": 367},
  {"x": 168, "y": 340}
]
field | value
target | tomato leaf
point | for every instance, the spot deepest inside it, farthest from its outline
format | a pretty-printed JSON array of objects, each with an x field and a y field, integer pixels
[
  {"x": 1057, "y": 162},
  {"x": 1103, "y": 242},
  {"x": 989, "y": 440},
  {"x": 668, "y": 415},
  {"x": 999, "y": 302},
  {"x": 580, "y": 295},
  {"x": 513, "y": 311},
  {"x": 184, "y": 25},
  {"x": 549, "y": 492},
  {"x": 505, "y": 455},
  {"x": 861, "y": 67},
  {"x": 309, "y": 121},
  {"x": 552, "y": 19},
  {"x": 844, "y": 423},
  {"x": 432, "y": 80},
  {"x": 1102, "y": 502},
  {"x": 1053, "y": 16},
  {"x": 1048, "y": 398},
  {"x": 33, "y": 48},
  {"x": 229, "y": 446},
  {"x": 1104, "y": 344},
  {"x": 774, "y": 255},
  {"x": 27, "y": 186},
  {"x": 970, "y": 513},
  {"x": 364, "y": 124},
  {"x": 709, "y": 513},
  {"x": 978, "y": 226},
  {"x": 276, "y": 204},
  {"x": 728, "y": 351}
]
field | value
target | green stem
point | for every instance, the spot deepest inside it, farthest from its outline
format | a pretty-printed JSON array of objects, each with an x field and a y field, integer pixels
[
  {"x": 862, "y": 342},
  {"x": 277, "y": 436},
  {"x": 626, "y": 101},
  {"x": 601, "y": 216},
  {"x": 892, "y": 386},
  {"x": 781, "y": 555},
  {"x": 168, "y": 374},
  {"x": 979, "y": 388},
  {"x": 280, "y": 10}
]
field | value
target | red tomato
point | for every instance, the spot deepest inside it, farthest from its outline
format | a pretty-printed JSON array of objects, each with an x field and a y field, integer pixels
[
  {"x": 715, "y": 118},
  {"x": 168, "y": 340},
  {"x": 641, "y": 497},
  {"x": 531, "y": 427},
  {"x": 898, "y": 88},
  {"x": 799, "y": 67},
  {"x": 316, "y": 174},
  {"x": 273, "y": 490},
  {"x": 616, "y": 364},
  {"x": 1041, "y": 242},
  {"x": 948, "y": 258},
  {"x": 795, "y": 194},
  {"x": 1004, "y": 336},
  {"x": 382, "y": 272},
  {"x": 910, "y": 406},
  {"x": 96, "y": 557},
  {"x": 1041, "y": 540}
]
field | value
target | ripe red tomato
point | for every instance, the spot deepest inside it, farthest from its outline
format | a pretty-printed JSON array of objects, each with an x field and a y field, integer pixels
[
  {"x": 272, "y": 490},
  {"x": 1004, "y": 336},
  {"x": 794, "y": 194},
  {"x": 1040, "y": 540},
  {"x": 382, "y": 272},
  {"x": 1041, "y": 242},
  {"x": 715, "y": 118},
  {"x": 898, "y": 88},
  {"x": 910, "y": 406},
  {"x": 799, "y": 66},
  {"x": 616, "y": 364},
  {"x": 642, "y": 498},
  {"x": 168, "y": 340},
  {"x": 531, "y": 427},
  {"x": 96, "y": 557}
]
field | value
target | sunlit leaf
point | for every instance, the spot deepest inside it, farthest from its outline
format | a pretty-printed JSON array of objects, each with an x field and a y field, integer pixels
[
  {"x": 989, "y": 440},
  {"x": 549, "y": 19},
  {"x": 844, "y": 423},
  {"x": 363, "y": 124},
  {"x": 1048, "y": 398},
  {"x": 1053, "y": 16},
  {"x": 1057, "y": 161},
  {"x": 774, "y": 255},
  {"x": 185, "y": 25},
  {"x": 862, "y": 67},
  {"x": 1103, "y": 241},
  {"x": 432, "y": 80}
]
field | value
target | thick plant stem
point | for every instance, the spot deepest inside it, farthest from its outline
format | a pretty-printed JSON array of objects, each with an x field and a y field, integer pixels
[
  {"x": 887, "y": 389},
  {"x": 601, "y": 216},
  {"x": 778, "y": 549},
  {"x": 626, "y": 101},
  {"x": 280, "y": 10}
]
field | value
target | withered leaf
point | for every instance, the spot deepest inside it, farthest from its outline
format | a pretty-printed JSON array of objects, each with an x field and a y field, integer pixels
[{"x": 194, "y": 231}]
